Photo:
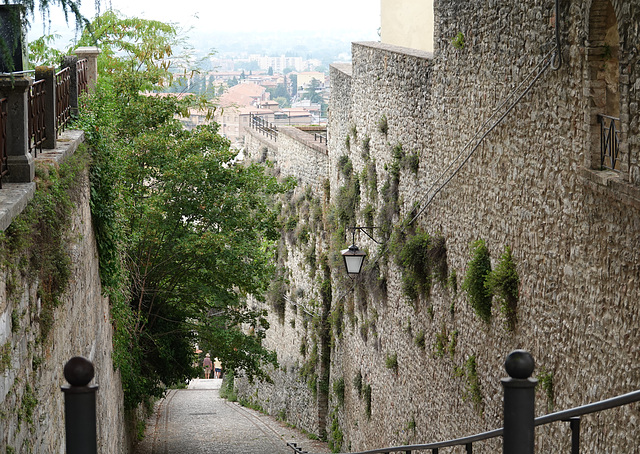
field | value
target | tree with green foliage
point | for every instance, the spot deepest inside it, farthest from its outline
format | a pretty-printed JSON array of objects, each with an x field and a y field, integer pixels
[
  {"x": 313, "y": 92},
  {"x": 186, "y": 233}
]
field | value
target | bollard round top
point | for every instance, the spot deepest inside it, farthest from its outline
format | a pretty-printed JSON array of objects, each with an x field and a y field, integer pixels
[
  {"x": 519, "y": 364},
  {"x": 78, "y": 371}
]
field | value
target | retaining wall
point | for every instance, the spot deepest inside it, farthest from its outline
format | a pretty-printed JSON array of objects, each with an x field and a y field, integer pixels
[{"x": 528, "y": 182}]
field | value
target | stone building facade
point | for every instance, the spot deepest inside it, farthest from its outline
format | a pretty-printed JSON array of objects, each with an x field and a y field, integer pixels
[
  {"x": 504, "y": 138},
  {"x": 32, "y": 357}
]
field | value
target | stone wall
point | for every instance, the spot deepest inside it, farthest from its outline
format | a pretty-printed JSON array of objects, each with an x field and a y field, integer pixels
[
  {"x": 31, "y": 402},
  {"x": 296, "y": 153},
  {"x": 503, "y": 143}
]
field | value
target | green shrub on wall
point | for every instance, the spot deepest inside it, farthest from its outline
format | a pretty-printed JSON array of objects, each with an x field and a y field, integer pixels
[
  {"x": 503, "y": 282},
  {"x": 421, "y": 257},
  {"x": 478, "y": 271}
]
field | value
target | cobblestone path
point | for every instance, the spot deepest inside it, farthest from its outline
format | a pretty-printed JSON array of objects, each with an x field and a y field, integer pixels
[{"x": 197, "y": 421}]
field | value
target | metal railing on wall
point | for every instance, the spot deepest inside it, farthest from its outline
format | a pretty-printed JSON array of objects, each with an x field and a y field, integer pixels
[
  {"x": 263, "y": 126},
  {"x": 50, "y": 100},
  {"x": 37, "y": 130},
  {"x": 63, "y": 108},
  {"x": 83, "y": 80},
  {"x": 609, "y": 142},
  {"x": 519, "y": 423}
]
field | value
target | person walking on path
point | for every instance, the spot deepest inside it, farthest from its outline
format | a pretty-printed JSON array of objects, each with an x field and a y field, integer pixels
[
  {"x": 207, "y": 365},
  {"x": 217, "y": 368}
]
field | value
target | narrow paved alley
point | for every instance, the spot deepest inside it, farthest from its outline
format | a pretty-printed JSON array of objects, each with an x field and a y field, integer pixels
[{"x": 198, "y": 421}]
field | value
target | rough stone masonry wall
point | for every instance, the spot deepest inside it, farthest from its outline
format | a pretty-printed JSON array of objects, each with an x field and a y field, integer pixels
[
  {"x": 31, "y": 402},
  {"x": 531, "y": 184},
  {"x": 296, "y": 154}
]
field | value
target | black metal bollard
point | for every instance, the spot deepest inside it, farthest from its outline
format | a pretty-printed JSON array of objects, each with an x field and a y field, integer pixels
[
  {"x": 80, "y": 406},
  {"x": 519, "y": 400}
]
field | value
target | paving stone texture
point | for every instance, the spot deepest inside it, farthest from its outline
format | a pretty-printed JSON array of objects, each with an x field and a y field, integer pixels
[{"x": 198, "y": 421}]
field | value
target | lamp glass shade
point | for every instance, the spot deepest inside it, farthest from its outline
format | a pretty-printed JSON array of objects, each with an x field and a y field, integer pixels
[{"x": 353, "y": 259}]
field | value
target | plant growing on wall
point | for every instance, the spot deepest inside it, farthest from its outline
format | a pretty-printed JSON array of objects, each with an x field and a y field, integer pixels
[
  {"x": 478, "y": 271},
  {"x": 391, "y": 362},
  {"x": 366, "y": 147},
  {"x": 383, "y": 125},
  {"x": 366, "y": 394},
  {"x": 458, "y": 41},
  {"x": 545, "y": 381},
  {"x": 338, "y": 389},
  {"x": 469, "y": 372},
  {"x": 503, "y": 282},
  {"x": 420, "y": 256}
]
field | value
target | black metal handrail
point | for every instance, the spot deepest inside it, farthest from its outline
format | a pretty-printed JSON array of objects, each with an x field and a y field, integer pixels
[
  {"x": 260, "y": 124},
  {"x": 3, "y": 139},
  {"x": 571, "y": 415},
  {"x": 321, "y": 137},
  {"x": 609, "y": 142},
  {"x": 63, "y": 107},
  {"x": 36, "y": 103}
]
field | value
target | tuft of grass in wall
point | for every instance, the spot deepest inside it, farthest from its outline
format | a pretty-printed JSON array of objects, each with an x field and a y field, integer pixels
[
  {"x": 302, "y": 234},
  {"x": 391, "y": 362},
  {"x": 303, "y": 348},
  {"x": 420, "y": 256},
  {"x": 27, "y": 404},
  {"x": 336, "y": 318},
  {"x": 336, "y": 437},
  {"x": 347, "y": 142},
  {"x": 326, "y": 190},
  {"x": 383, "y": 125},
  {"x": 420, "y": 339},
  {"x": 545, "y": 381},
  {"x": 472, "y": 392},
  {"x": 453, "y": 283},
  {"x": 358, "y": 384},
  {"x": 366, "y": 395},
  {"x": 15, "y": 321},
  {"x": 411, "y": 162},
  {"x": 368, "y": 214},
  {"x": 372, "y": 180},
  {"x": 366, "y": 147},
  {"x": 353, "y": 131},
  {"x": 458, "y": 41},
  {"x": 276, "y": 296},
  {"x": 503, "y": 282},
  {"x": 345, "y": 166},
  {"x": 453, "y": 343},
  {"x": 478, "y": 271},
  {"x": 338, "y": 390},
  {"x": 441, "y": 342},
  {"x": 5, "y": 356},
  {"x": 411, "y": 425},
  {"x": 372, "y": 283}
]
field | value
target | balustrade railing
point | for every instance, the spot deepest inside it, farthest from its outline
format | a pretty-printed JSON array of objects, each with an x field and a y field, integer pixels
[
  {"x": 3, "y": 139},
  {"x": 48, "y": 101},
  {"x": 63, "y": 108},
  {"x": 260, "y": 124},
  {"x": 518, "y": 435},
  {"x": 37, "y": 131},
  {"x": 609, "y": 142},
  {"x": 83, "y": 80}
]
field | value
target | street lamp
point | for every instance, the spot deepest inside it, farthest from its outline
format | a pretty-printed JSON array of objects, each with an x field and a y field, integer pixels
[
  {"x": 353, "y": 259},
  {"x": 353, "y": 256}
]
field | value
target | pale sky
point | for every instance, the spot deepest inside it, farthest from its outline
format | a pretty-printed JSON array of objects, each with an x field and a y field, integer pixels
[{"x": 230, "y": 15}]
